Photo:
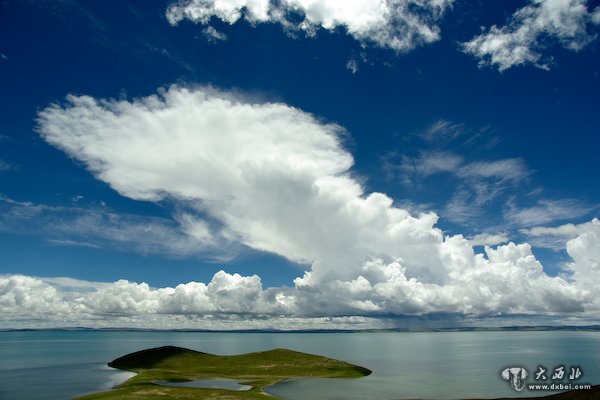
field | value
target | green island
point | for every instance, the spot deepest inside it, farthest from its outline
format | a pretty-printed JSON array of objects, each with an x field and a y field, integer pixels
[{"x": 258, "y": 370}]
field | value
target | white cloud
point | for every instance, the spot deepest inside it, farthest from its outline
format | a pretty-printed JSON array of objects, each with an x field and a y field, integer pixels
[
  {"x": 213, "y": 35},
  {"x": 582, "y": 242},
  {"x": 596, "y": 16},
  {"x": 524, "y": 37},
  {"x": 567, "y": 230},
  {"x": 488, "y": 239},
  {"x": 228, "y": 11},
  {"x": 73, "y": 285},
  {"x": 584, "y": 251},
  {"x": 224, "y": 294},
  {"x": 26, "y": 295},
  {"x": 396, "y": 24},
  {"x": 507, "y": 280},
  {"x": 276, "y": 179},
  {"x": 352, "y": 65},
  {"x": 556, "y": 237}
]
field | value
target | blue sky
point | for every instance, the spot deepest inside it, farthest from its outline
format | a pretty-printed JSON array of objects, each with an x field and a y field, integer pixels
[{"x": 477, "y": 119}]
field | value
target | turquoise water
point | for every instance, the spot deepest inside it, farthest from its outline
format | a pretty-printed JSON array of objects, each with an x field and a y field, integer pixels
[{"x": 449, "y": 365}]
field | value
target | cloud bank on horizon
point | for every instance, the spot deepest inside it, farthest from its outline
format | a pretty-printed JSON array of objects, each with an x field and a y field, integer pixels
[
  {"x": 402, "y": 25},
  {"x": 274, "y": 178}
]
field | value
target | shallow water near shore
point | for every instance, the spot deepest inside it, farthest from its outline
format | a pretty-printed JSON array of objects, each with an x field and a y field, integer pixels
[{"x": 447, "y": 365}]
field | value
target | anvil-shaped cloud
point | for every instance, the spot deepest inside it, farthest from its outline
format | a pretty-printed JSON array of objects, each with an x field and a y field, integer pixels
[{"x": 277, "y": 179}]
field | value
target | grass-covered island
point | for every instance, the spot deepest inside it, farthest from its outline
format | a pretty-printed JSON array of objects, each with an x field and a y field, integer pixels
[{"x": 258, "y": 370}]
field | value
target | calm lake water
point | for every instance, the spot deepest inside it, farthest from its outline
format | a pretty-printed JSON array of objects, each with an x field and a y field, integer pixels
[{"x": 448, "y": 365}]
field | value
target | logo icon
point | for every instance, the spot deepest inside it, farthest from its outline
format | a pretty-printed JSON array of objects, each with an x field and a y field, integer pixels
[{"x": 515, "y": 376}]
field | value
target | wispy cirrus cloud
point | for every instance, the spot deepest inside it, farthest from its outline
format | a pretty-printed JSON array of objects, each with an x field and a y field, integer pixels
[
  {"x": 443, "y": 131},
  {"x": 531, "y": 29},
  {"x": 471, "y": 191},
  {"x": 98, "y": 227},
  {"x": 429, "y": 163},
  {"x": 545, "y": 211},
  {"x": 510, "y": 169},
  {"x": 439, "y": 149},
  {"x": 400, "y": 25},
  {"x": 74, "y": 243},
  {"x": 477, "y": 183},
  {"x": 462, "y": 207}
]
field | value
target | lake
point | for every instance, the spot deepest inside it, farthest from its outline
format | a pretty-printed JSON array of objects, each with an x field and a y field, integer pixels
[{"x": 435, "y": 365}]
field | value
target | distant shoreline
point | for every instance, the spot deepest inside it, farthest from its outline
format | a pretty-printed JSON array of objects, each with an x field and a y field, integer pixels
[{"x": 518, "y": 328}]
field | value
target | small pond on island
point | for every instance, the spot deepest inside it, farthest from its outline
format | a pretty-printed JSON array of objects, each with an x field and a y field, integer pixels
[{"x": 229, "y": 384}]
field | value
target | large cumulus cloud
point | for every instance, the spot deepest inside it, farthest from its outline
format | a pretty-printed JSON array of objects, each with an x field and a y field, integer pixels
[
  {"x": 267, "y": 175},
  {"x": 277, "y": 179}
]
